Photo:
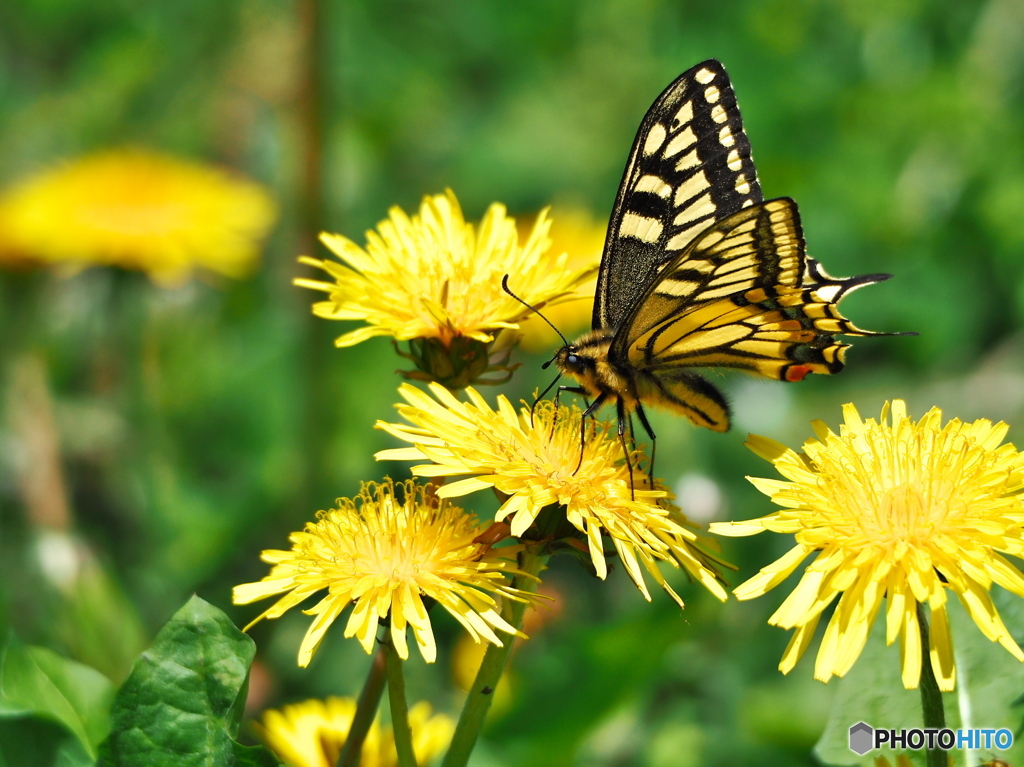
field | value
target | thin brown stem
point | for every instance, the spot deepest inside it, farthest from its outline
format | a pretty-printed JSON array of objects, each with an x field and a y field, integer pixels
[
  {"x": 41, "y": 476},
  {"x": 311, "y": 221}
]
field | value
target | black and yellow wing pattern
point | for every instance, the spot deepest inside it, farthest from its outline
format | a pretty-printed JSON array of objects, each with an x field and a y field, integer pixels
[{"x": 699, "y": 271}]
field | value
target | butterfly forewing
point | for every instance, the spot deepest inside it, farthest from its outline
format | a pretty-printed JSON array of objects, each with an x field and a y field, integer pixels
[{"x": 690, "y": 165}]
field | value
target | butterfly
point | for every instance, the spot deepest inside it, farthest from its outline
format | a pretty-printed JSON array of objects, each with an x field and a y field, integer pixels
[{"x": 699, "y": 271}]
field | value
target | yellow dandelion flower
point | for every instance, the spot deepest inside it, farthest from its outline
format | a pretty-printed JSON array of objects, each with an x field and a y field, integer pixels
[
  {"x": 535, "y": 461},
  {"x": 137, "y": 210},
  {"x": 903, "y": 511},
  {"x": 573, "y": 231},
  {"x": 385, "y": 552},
  {"x": 312, "y": 734},
  {"x": 435, "y": 276}
]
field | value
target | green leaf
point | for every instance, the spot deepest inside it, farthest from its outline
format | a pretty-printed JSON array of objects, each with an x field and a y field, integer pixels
[
  {"x": 871, "y": 692},
  {"x": 38, "y": 742},
  {"x": 37, "y": 682},
  {"x": 182, "y": 703},
  {"x": 989, "y": 681}
]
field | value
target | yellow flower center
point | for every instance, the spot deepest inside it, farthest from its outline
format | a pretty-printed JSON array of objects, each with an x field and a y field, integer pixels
[
  {"x": 416, "y": 555},
  {"x": 905, "y": 514},
  {"x": 402, "y": 561}
]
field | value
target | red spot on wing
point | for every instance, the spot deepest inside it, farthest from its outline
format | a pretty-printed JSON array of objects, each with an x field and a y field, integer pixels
[{"x": 797, "y": 372}]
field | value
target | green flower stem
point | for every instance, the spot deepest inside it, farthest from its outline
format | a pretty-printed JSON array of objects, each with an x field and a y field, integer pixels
[
  {"x": 366, "y": 710},
  {"x": 931, "y": 696},
  {"x": 481, "y": 694},
  {"x": 399, "y": 708}
]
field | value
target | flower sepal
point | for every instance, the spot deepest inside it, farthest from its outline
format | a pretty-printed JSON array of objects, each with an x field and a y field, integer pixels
[
  {"x": 461, "y": 362},
  {"x": 552, "y": 527}
]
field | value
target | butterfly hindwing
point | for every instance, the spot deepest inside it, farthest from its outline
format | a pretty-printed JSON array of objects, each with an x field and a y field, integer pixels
[
  {"x": 759, "y": 246},
  {"x": 690, "y": 165},
  {"x": 761, "y": 305}
]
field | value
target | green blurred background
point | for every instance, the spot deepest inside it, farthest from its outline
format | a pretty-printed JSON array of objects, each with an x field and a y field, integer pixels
[{"x": 196, "y": 426}]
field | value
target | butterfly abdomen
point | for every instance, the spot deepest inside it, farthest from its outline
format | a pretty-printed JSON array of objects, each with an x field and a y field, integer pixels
[
  {"x": 682, "y": 391},
  {"x": 688, "y": 394}
]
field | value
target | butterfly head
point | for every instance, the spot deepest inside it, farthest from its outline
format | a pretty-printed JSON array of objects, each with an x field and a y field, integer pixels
[
  {"x": 586, "y": 360},
  {"x": 574, "y": 363}
]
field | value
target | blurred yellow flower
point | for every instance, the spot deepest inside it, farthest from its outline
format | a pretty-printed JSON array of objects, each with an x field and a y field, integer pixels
[
  {"x": 137, "y": 210},
  {"x": 535, "y": 460},
  {"x": 907, "y": 512},
  {"x": 574, "y": 231},
  {"x": 435, "y": 276},
  {"x": 468, "y": 655},
  {"x": 385, "y": 551},
  {"x": 312, "y": 734}
]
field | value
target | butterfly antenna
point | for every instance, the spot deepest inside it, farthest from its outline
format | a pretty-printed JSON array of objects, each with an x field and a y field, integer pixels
[{"x": 504, "y": 286}]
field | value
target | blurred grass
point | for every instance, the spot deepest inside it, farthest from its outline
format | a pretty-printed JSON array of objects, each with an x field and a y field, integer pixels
[{"x": 896, "y": 126}]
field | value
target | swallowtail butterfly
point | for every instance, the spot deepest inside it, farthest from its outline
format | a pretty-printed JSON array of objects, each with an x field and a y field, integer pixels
[{"x": 699, "y": 271}]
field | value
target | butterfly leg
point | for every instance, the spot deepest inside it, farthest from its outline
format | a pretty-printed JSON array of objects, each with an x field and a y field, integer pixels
[
  {"x": 624, "y": 418},
  {"x": 631, "y": 430},
  {"x": 558, "y": 394},
  {"x": 572, "y": 390},
  {"x": 591, "y": 409},
  {"x": 540, "y": 396},
  {"x": 654, "y": 441}
]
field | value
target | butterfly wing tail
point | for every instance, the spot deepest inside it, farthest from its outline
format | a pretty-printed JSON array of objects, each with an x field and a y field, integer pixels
[
  {"x": 825, "y": 288},
  {"x": 817, "y": 277}
]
